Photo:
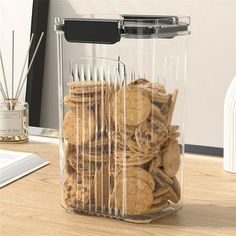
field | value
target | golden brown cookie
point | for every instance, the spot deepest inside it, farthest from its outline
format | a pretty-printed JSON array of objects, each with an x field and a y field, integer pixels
[
  {"x": 171, "y": 158},
  {"x": 79, "y": 126},
  {"x": 151, "y": 134},
  {"x": 130, "y": 106},
  {"x": 172, "y": 195},
  {"x": 172, "y": 106},
  {"x": 160, "y": 191},
  {"x": 137, "y": 172},
  {"x": 156, "y": 114},
  {"x": 77, "y": 195},
  {"x": 156, "y": 95},
  {"x": 69, "y": 150},
  {"x": 129, "y": 158},
  {"x": 133, "y": 196},
  {"x": 156, "y": 163},
  {"x": 82, "y": 166},
  {"x": 97, "y": 150},
  {"x": 87, "y": 87},
  {"x": 161, "y": 174},
  {"x": 176, "y": 187},
  {"x": 156, "y": 87},
  {"x": 96, "y": 156},
  {"x": 159, "y": 199},
  {"x": 158, "y": 207},
  {"x": 102, "y": 186},
  {"x": 89, "y": 100}
]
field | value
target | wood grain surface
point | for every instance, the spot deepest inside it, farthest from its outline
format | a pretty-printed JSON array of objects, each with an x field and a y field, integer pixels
[{"x": 31, "y": 205}]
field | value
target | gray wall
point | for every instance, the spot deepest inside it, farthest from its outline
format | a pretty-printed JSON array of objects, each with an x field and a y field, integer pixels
[{"x": 212, "y": 58}]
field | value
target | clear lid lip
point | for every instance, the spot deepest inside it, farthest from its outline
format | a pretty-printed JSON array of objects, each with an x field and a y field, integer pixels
[
  {"x": 142, "y": 26},
  {"x": 110, "y": 31}
]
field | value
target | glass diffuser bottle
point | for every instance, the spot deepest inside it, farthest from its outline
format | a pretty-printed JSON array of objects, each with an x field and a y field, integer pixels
[
  {"x": 14, "y": 115},
  {"x": 13, "y": 121}
]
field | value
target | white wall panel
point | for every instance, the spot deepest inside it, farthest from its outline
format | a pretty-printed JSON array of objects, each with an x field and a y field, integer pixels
[{"x": 212, "y": 58}]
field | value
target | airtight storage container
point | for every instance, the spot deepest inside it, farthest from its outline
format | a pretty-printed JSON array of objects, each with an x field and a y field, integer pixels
[{"x": 121, "y": 108}]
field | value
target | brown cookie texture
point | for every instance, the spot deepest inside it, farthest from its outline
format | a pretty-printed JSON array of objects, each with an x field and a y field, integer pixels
[
  {"x": 79, "y": 126},
  {"x": 102, "y": 185},
  {"x": 158, "y": 207},
  {"x": 76, "y": 194},
  {"x": 172, "y": 195},
  {"x": 69, "y": 150},
  {"x": 156, "y": 114},
  {"x": 171, "y": 158},
  {"x": 131, "y": 159},
  {"x": 176, "y": 187},
  {"x": 161, "y": 174},
  {"x": 133, "y": 196},
  {"x": 156, "y": 163},
  {"x": 151, "y": 134},
  {"x": 172, "y": 106},
  {"x": 140, "y": 81},
  {"x": 78, "y": 101},
  {"x": 137, "y": 172},
  {"x": 89, "y": 86},
  {"x": 160, "y": 191},
  {"x": 130, "y": 106},
  {"x": 159, "y": 199},
  {"x": 121, "y": 148},
  {"x": 97, "y": 150},
  {"x": 82, "y": 166}
]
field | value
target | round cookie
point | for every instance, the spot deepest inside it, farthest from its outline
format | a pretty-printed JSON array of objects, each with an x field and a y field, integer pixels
[
  {"x": 131, "y": 158},
  {"x": 80, "y": 100},
  {"x": 101, "y": 186},
  {"x": 161, "y": 174},
  {"x": 160, "y": 191},
  {"x": 82, "y": 167},
  {"x": 171, "y": 158},
  {"x": 79, "y": 126},
  {"x": 153, "y": 133},
  {"x": 140, "y": 173},
  {"x": 156, "y": 114},
  {"x": 137, "y": 197},
  {"x": 130, "y": 103},
  {"x": 176, "y": 187},
  {"x": 172, "y": 195},
  {"x": 87, "y": 86},
  {"x": 77, "y": 195}
]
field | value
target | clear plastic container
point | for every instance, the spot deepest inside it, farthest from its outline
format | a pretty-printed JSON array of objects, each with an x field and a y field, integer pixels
[{"x": 121, "y": 98}]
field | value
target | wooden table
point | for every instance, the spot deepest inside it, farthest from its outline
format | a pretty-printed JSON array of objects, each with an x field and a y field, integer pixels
[{"x": 31, "y": 205}]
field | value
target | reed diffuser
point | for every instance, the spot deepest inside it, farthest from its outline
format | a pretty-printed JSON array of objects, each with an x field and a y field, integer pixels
[{"x": 14, "y": 115}]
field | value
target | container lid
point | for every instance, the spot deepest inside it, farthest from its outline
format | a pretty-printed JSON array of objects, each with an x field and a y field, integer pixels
[{"x": 110, "y": 31}]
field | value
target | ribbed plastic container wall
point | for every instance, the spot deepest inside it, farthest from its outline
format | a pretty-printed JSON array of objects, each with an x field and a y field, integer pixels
[{"x": 122, "y": 122}]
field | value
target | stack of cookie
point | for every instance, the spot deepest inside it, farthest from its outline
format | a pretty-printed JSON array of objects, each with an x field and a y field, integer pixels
[
  {"x": 122, "y": 152},
  {"x": 144, "y": 139},
  {"x": 86, "y": 143}
]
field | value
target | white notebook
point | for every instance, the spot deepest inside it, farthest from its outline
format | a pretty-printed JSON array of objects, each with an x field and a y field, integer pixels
[{"x": 14, "y": 165}]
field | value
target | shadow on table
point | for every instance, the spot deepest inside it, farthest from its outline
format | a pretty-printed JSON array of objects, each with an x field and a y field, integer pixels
[{"x": 196, "y": 215}]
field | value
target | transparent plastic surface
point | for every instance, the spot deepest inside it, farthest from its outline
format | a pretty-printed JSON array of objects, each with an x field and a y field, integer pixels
[
  {"x": 121, "y": 153},
  {"x": 122, "y": 111}
]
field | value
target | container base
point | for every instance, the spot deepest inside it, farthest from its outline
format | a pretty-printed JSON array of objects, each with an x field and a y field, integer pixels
[{"x": 138, "y": 219}]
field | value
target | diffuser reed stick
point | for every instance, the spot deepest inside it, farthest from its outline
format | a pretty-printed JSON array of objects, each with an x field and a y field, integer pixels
[
  {"x": 23, "y": 78},
  {"x": 31, "y": 62},
  {"x": 4, "y": 76},
  {"x": 25, "y": 62},
  {"x": 2, "y": 91},
  {"x": 12, "y": 65},
  {"x": 14, "y": 113}
]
